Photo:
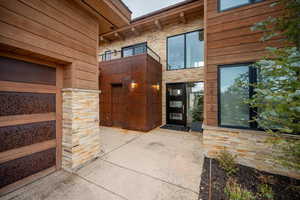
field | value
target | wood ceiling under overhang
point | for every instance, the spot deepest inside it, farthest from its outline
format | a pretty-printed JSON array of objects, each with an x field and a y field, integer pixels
[
  {"x": 112, "y": 14},
  {"x": 178, "y": 13}
]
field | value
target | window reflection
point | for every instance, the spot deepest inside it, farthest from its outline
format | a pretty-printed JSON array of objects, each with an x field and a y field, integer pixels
[
  {"x": 176, "y": 52},
  {"x": 227, "y": 4},
  {"x": 195, "y": 95},
  {"x": 194, "y": 49},
  {"x": 234, "y": 111}
]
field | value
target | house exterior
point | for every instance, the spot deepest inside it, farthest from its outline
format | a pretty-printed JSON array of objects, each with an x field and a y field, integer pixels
[
  {"x": 49, "y": 91},
  {"x": 204, "y": 44},
  {"x": 173, "y": 66},
  {"x": 159, "y": 31}
]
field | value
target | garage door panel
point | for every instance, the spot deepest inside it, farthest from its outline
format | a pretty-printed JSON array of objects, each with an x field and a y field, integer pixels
[
  {"x": 30, "y": 127},
  {"x": 13, "y": 137},
  {"x": 21, "y": 103},
  {"x": 23, "y": 167},
  {"x": 21, "y": 71}
]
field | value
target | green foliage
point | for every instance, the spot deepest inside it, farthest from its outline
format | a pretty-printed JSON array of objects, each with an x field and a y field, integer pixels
[
  {"x": 265, "y": 192},
  {"x": 288, "y": 24},
  {"x": 227, "y": 162},
  {"x": 277, "y": 93},
  {"x": 197, "y": 112},
  {"x": 234, "y": 191}
]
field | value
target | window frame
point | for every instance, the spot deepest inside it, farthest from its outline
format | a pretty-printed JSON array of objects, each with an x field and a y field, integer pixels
[
  {"x": 234, "y": 7},
  {"x": 106, "y": 53},
  {"x": 133, "y": 48},
  {"x": 252, "y": 79},
  {"x": 167, "y": 47}
]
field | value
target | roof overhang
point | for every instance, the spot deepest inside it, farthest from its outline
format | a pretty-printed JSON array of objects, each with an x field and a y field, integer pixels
[
  {"x": 112, "y": 14},
  {"x": 178, "y": 13}
]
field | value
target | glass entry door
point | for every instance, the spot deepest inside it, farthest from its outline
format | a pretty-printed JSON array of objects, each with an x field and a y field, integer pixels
[{"x": 176, "y": 104}]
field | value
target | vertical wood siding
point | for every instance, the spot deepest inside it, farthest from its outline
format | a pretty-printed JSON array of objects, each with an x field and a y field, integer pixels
[{"x": 229, "y": 40}]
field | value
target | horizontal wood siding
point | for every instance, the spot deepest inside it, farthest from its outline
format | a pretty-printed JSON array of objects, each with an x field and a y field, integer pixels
[
  {"x": 60, "y": 29},
  {"x": 230, "y": 40}
]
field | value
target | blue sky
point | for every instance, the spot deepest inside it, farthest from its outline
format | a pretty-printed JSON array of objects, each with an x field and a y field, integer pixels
[{"x": 141, "y": 7}]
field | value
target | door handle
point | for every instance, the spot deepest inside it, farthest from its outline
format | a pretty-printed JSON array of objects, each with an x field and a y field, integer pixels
[{"x": 183, "y": 108}]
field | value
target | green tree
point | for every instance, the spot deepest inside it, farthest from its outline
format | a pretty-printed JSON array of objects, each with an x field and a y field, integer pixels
[
  {"x": 277, "y": 93},
  {"x": 197, "y": 112}
]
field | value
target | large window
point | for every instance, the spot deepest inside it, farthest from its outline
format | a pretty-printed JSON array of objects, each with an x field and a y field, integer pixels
[
  {"x": 234, "y": 90},
  {"x": 134, "y": 50},
  {"x": 185, "y": 50},
  {"x": 229, "y": 4}
]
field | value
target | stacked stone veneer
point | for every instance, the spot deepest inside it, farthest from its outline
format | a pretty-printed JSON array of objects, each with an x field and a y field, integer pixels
[
  {"x": 249, "y": 146},
  {"x": 80, "y": 141}
]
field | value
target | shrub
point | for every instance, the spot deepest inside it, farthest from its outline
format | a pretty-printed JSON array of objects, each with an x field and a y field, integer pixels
[
  {"x": 265, "y": 192},
  {"x": 234, "y": 191},
  {"x": 227, "y": 162}
]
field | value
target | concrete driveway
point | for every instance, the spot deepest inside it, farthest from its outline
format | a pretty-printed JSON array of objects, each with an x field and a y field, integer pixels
[{"x": 159, "y": 165}]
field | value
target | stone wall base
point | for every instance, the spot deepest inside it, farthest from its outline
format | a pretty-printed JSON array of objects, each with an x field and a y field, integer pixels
[
  {"x": 80, "y": 141},
  {"x": 249, "y": 146}
]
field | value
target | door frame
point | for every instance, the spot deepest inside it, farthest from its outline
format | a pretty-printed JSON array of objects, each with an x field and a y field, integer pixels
[
  {"x": 168, "y": 121},
  {"x": 111, "y": 104},
  {"x": 58, "y": 117}
]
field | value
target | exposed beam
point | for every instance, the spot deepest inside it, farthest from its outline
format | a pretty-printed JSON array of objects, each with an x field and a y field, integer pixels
[
  {"x": 119, "y": 36},
  {"x": 197, "y": 5},
  {"x": 182, "y": 18},
  {"x": 135, "y": 31},
  {"x": 158, "y": 24}
]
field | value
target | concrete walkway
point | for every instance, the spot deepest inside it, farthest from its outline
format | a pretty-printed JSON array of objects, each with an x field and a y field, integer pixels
[{"x": 159, "y": 165}]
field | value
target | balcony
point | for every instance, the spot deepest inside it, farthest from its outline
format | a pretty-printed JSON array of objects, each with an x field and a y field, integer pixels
[{"x": 128, "y": 52}]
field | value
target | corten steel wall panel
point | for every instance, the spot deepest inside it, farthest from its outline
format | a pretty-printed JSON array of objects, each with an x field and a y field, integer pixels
[
  {"x": 135, "y": 100},
  {"x": 13, "y": 137},
  {"x": 154, "y": 96},
  {"x": 20, "y": 168},
  {"x": 20, "y": 103},
  {"x": 229, "y": 40},
  {"x": 117, "y": 105},
  {"x": 21, "y": 71}
]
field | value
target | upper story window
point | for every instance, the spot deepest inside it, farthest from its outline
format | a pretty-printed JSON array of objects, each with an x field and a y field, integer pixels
[
  {"x": 134, "y": 49},
  {"x": 185, "y": 50},
  {"x": 229, "y": 4}
]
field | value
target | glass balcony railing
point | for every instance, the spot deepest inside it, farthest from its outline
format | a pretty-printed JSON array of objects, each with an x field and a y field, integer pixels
[{"x": 127, "y": 52}]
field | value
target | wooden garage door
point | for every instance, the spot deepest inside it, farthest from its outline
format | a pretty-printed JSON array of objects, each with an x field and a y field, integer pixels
[{"x": 29, "y": 122}]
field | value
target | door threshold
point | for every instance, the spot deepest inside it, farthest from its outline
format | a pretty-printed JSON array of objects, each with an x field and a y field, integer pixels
[{"x": 175, "y": 127}]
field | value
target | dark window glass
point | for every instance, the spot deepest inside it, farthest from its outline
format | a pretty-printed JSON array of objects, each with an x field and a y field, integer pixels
[
  {"x": 176, "y": 52},
  {"x": 194, "y": 49},
  {"x": 127, "y": 52},
  {"x": 134, "y": 50},
  {"x": 106, "y": 56},
  {"x": 234, "y": 112},
  {"x": 228, "y": 4},
  {"x": 186, "y": 50}
]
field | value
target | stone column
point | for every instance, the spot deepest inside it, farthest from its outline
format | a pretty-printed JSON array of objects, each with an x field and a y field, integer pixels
[{"x": 81, "y": 139}]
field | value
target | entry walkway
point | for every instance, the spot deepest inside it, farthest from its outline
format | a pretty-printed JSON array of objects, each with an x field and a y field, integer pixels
[{"x": 159, "y": 165}]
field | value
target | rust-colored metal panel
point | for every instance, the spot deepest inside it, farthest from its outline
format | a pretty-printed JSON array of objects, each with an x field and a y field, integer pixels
[
  {"x": 21, "y": 71},
  {"x": 13, "y": 137},
  {"x": 117, "y": 105},
  {"x": 139, "y": 109},
  {"x": 20, "y": 168},
  {"x": 18, "y": 103}
]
